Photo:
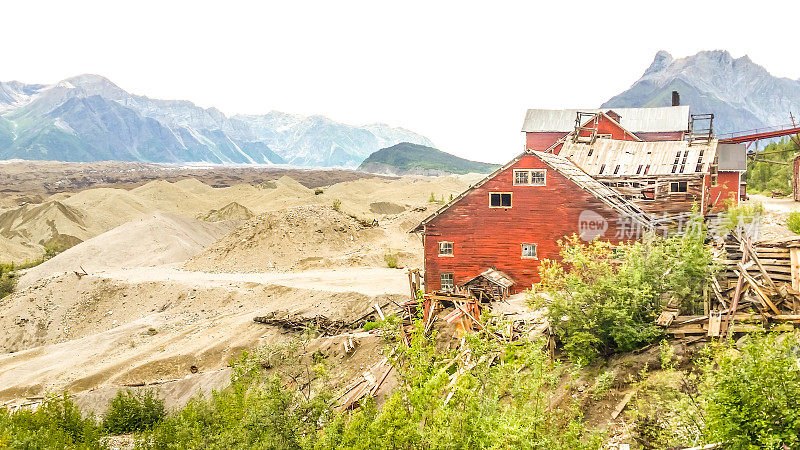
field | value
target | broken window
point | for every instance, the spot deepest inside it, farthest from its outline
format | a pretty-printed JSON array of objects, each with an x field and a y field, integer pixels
[
  {"x": 445, "y": 248},
  {"x": 529, "y": 250},
  {"x": 678, "y": 186},
  {"x": 699, "y": 167},
  {"x": 446, "y": 280},
  {"x": 500, "y": 199}
]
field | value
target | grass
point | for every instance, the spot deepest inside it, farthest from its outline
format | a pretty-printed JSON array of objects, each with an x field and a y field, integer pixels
[
  {"x": 793, "y": 222},
  {"x": 391, "y": 260}
]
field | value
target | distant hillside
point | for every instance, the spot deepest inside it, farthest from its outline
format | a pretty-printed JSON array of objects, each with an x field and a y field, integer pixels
[
  {"x": 741, "y": 94},
  {"x": 406, "y": 158}
]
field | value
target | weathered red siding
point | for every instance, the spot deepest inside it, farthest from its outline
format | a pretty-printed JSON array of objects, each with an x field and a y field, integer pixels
[
  {"x": 726, "y": 190},
  {"x": 540, "y": 141},
  {"x": 485, "y": 237}
]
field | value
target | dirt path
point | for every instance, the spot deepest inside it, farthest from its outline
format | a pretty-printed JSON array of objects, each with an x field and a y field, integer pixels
[{"x": 363, "y": 280}]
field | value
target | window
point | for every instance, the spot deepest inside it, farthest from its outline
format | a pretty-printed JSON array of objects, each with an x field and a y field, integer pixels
[
  {"x": 446, "y": 281},
  {"x": 678, "y": 186},
  {"x": 538, "y": 177},
  {"x": 647, "y": 169},
  {"x": 529, "y": 251},
  {"x": 639, "y": 170},
  {"x": 616, "y": 169},
  {"x": 530, "y": 177},
  {"x": 521, "y": 177},
  {"x": 445, "y": 248},
  {"x": 500, "y": 200},
  {"x": 602, "y": 168}
]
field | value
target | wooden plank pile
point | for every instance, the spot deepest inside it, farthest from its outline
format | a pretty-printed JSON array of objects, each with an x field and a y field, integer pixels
[
  {"x": 758, "y": 286},
  {"x": 284, "y": 319},
  {"x": 367, "y": 384}
]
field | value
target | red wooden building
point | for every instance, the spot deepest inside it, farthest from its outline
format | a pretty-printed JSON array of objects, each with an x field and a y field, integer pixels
[
  {"x": 666, "y": 167},
  {"x": 513, "y": 219}
]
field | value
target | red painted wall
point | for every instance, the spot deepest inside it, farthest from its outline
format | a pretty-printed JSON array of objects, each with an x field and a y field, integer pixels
[
  {"x": 540, "y": 141},
  {"x": 727, "y": 188},
  {"x": 485, "y": 237}
]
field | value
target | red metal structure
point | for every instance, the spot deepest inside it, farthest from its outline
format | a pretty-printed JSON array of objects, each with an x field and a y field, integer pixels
[{"x": 758, "y": 134}]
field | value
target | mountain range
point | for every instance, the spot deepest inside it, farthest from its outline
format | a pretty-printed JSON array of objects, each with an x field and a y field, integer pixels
[
  {"x": 741, "y": 94},
  {"x": 89, "y": 118}
]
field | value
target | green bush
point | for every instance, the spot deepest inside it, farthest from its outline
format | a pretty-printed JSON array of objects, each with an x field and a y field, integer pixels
[
  {"x": 337, "y": 205},
  {"x": 369, "y": 326},
  {"x": 793, "y": 222},
  {"x": 763, "y": 177},
  {"x": 133, "y": 411},
  {"x": 56, "y": 424},
  {"x": 318, "y": 191},
  {"x": 604, "y": 300},
  {"x": 391, "y": 260},
  {"x": 8, "y": 282},
  {"x": 751, "y": 395},
  {"x": 501, "y": 402}
]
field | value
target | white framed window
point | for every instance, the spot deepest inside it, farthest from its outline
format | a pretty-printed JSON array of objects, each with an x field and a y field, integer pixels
[
  {"x": 445, "y": 248},
  {"x": 500, "y": 200},
  {"x": 529, "y": 251},
  {"x": 530, "y": 177},
  {"x": 446, "y": 280},
  {"x": 521, "y": 177},
  {"x": 678, "y": 187}
]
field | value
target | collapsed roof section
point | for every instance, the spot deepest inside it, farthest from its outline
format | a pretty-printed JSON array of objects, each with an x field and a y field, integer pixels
[{"x": 608, "y": 157}]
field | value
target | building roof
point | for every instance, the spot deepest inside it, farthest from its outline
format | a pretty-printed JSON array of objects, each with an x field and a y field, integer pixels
[
  {"x": 667, "y": 118},
  {"x": 572, "y": 172},
  {"x": 602, "y": 157},
  {"x": 610, "y": 197},
  {"x": 495, "y": 276}
]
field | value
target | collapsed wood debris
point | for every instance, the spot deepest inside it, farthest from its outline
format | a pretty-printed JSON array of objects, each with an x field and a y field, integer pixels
[
  {"x": 365, "y": 385},
  {"x": 758, "y": 286},
  {"x": 293, "y": 322}
]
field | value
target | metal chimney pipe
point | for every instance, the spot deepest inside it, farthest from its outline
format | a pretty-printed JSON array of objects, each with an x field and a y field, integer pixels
[{"x": 676, "y": 98}]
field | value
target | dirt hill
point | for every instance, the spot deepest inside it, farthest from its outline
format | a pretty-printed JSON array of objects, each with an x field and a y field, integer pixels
[{"x": 155, "y": 239}]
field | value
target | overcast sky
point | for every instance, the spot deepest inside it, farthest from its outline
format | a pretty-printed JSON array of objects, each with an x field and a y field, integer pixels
[{"x": 462, "y": 73}]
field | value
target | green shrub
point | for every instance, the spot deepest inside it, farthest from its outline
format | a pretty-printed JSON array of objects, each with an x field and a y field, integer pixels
[
  {"x": 391, "y": 260},
  {"x": 133, "y": 411},
  {"x": 501, "y": 402},
  {"x": 793, "y": 222},
  {"x": 8, "y": 282},
  {"x": 751, "y": 395},
  {"x": 603, "y": 300},
  {"x": 56, "y": 424},
  {"x": 737, "y": 216},
  {"x": 369, "y": 326},
  {"x": 337, "y": 205},
  {"x": 318, "y": 191},
  {"x": 432, "y": 198}
]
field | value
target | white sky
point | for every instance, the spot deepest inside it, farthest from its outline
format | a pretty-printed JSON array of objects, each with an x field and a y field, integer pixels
[{"x": 462, "y": 73}]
